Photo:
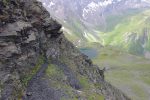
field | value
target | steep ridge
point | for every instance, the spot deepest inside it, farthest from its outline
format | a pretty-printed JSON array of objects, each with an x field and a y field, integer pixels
[{"x": 38, "y": 63}]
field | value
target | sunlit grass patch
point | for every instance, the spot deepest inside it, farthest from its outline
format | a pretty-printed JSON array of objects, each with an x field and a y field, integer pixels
[
  {"x": 84, "y": 82},
  {"x": 95, "y": 96},
  {"x": 26, "y": 78}
]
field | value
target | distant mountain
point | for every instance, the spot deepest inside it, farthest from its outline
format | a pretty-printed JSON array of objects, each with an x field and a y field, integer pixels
[
  {"x": 104, "y": 21},
  {"x": 133, "y": 34},
  {"x": 91, "y": 12}
]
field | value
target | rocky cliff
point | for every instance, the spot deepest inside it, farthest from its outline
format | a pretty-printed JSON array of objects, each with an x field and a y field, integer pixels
[{"x": 38, "y": 63}]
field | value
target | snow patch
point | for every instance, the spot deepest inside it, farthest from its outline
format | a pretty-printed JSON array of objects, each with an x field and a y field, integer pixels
[
  {"x": 90, "y": 37},
  {"x": 50, "y": 4},
  {"x": 94, "y": 6}
]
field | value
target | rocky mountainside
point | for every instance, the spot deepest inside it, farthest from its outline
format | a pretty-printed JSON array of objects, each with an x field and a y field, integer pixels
[{"x": 38, "y": 63}]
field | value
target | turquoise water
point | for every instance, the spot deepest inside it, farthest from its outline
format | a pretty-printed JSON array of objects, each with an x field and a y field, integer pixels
[{"x": 90, "y": 52}]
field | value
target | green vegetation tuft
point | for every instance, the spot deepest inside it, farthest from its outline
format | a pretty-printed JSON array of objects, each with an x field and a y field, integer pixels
[
  {"x": 51, "y": 70},
  {"x": 5, "y": 2},
  {"x": 55, "y": 73},
  {"x": 97, "y": 85},
  {"x": 57, "y": 76},
  {"x": 84, "y": 82},
  {"x": 32, "y": 72},
  {"x": 95, "y": 96}
]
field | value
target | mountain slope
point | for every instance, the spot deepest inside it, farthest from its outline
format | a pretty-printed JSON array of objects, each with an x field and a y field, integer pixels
[
  {"x": 131, "y": 34},
  {"x": 38, "y": 63}
]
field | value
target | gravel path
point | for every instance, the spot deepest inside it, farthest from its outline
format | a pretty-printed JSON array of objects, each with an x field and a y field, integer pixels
[
  {"x": 71, "y": 77},
  {"x": 39, "y": 89}
]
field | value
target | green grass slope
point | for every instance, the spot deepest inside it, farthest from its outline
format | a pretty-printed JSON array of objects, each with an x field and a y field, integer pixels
[
  {"x": 132, "y": 34},
  {"x": 125, "y": 71}
]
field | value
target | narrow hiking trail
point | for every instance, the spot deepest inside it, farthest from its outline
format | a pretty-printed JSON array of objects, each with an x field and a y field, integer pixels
[{"x": 39, "y": 87}]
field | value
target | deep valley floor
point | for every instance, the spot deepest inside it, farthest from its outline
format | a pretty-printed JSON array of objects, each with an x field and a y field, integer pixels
[{"x": 127, "y": 72}]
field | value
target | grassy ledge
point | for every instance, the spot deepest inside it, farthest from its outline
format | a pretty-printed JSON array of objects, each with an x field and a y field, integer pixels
[{"x": 32, "y": 72}]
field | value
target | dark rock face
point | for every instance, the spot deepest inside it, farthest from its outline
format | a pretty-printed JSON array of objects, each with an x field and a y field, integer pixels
[{"x": 26, "y": 33}]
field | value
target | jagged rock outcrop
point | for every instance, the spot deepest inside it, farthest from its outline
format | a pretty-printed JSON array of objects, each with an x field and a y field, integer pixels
[{"x": 38, "y": 63}]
